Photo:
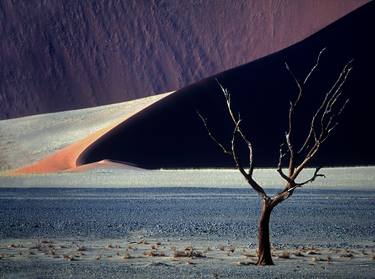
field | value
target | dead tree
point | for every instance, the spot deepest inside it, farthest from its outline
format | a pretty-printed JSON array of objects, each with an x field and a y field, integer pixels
[{"x": 321, "y": 126}]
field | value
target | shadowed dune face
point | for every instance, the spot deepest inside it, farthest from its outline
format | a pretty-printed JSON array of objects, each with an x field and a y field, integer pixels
[
  {"x": 61, "y": 55},
  {"x": 170, "y": 134}
]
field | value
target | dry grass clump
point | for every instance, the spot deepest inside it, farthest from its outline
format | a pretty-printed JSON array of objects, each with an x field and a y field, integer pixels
[
  {"x": 13, "y": 245},
  {"x": 284, "y": 255},
  {"x": 320, "y": 259},
  {"x": 313, "y": 252},
  {"x": 127, "y": 255},
  {"x": 298, "y": 254},
  {"x": 231, "y": 248},
  {"x": 221, "y": 247},
  {"x": 154, "y": 253},
  {"x": 315, "y": 259},
  {"x": 189, "y": 252},
  {"x": 347, "y": 255},
  {"x": 52, "y": 252},
  {"x": 69, "y": 258},
  {"x": 179, "y": 254},
  {"x": 81, "y": 249},
  {"x": 208, "y": 249}
]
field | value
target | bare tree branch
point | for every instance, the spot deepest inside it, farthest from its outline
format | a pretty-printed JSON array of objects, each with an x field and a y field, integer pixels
[
  {"x": 292, "y": 107},
  {"x": 314, "y": 67},
  {"x": 236, "y": 122},
  {"x": 237, "y": 131},
  {"x": 315, "y": 175},
  {"x": 204, "y": 120},
  {"x": 327, "y": 114},
  {"x": 323, "y": 109},
  {"x": 282, "y": 154}
]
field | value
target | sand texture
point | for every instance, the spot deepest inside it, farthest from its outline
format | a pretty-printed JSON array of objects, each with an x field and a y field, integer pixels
[
  {"x": 169, "y": 134},
  {"x": 27, "y": 140},
  {"x": 183, "y": 232},
  {"x": 62, "y": 55}
]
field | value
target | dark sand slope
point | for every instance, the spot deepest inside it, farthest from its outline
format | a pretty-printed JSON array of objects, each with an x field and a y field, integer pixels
[
  {"x": 169, "y": 134},
  {"x": 66, "y": 54}
]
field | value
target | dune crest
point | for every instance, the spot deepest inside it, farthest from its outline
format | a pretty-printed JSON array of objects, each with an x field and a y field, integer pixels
[{"x": 67, "y": 159}]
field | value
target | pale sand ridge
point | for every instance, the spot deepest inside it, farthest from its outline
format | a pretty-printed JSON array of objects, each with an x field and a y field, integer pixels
[{"x": 66, "y": 158}]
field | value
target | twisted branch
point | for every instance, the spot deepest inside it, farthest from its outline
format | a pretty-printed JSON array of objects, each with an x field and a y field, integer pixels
[
  {"x": 237, "y": 133},
  {"x": 326, "y": 114}
]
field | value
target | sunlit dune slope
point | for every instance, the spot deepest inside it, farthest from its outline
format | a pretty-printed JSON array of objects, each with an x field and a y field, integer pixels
[{"x": 33, "y": 140}]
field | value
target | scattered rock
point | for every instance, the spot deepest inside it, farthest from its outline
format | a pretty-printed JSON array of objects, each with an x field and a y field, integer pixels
[{"x": 188, "y": 254}]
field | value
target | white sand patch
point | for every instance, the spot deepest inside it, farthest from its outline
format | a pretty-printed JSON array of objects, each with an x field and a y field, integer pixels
[{"x": 340, "y": 178}]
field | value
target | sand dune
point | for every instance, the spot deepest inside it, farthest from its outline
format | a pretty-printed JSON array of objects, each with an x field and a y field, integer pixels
[
  {"x": 62, "y": 55},
  {"x": 171, "y": 135},
  {"x": 35, "y": 138},
  {"x": 168, "y": 134}
]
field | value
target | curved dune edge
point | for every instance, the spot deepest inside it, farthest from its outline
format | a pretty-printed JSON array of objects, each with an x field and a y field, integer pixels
[{"x": 66, "y": 159}]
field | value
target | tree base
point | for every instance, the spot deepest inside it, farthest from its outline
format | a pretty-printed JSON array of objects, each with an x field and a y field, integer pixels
[{"x": 264, "y": 262}]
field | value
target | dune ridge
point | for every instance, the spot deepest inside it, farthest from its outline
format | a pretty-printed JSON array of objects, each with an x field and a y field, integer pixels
[
  {"x": 67, "y": 159},
  {"x": 260, "y": 91},
  {"x": 169, "y": 134}
]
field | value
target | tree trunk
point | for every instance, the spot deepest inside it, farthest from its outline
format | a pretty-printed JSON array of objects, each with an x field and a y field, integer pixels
[{"x": 264, "y": 246}]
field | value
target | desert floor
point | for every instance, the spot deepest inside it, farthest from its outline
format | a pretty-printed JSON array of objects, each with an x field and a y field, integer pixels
[{"x": 182, "y": 224}]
